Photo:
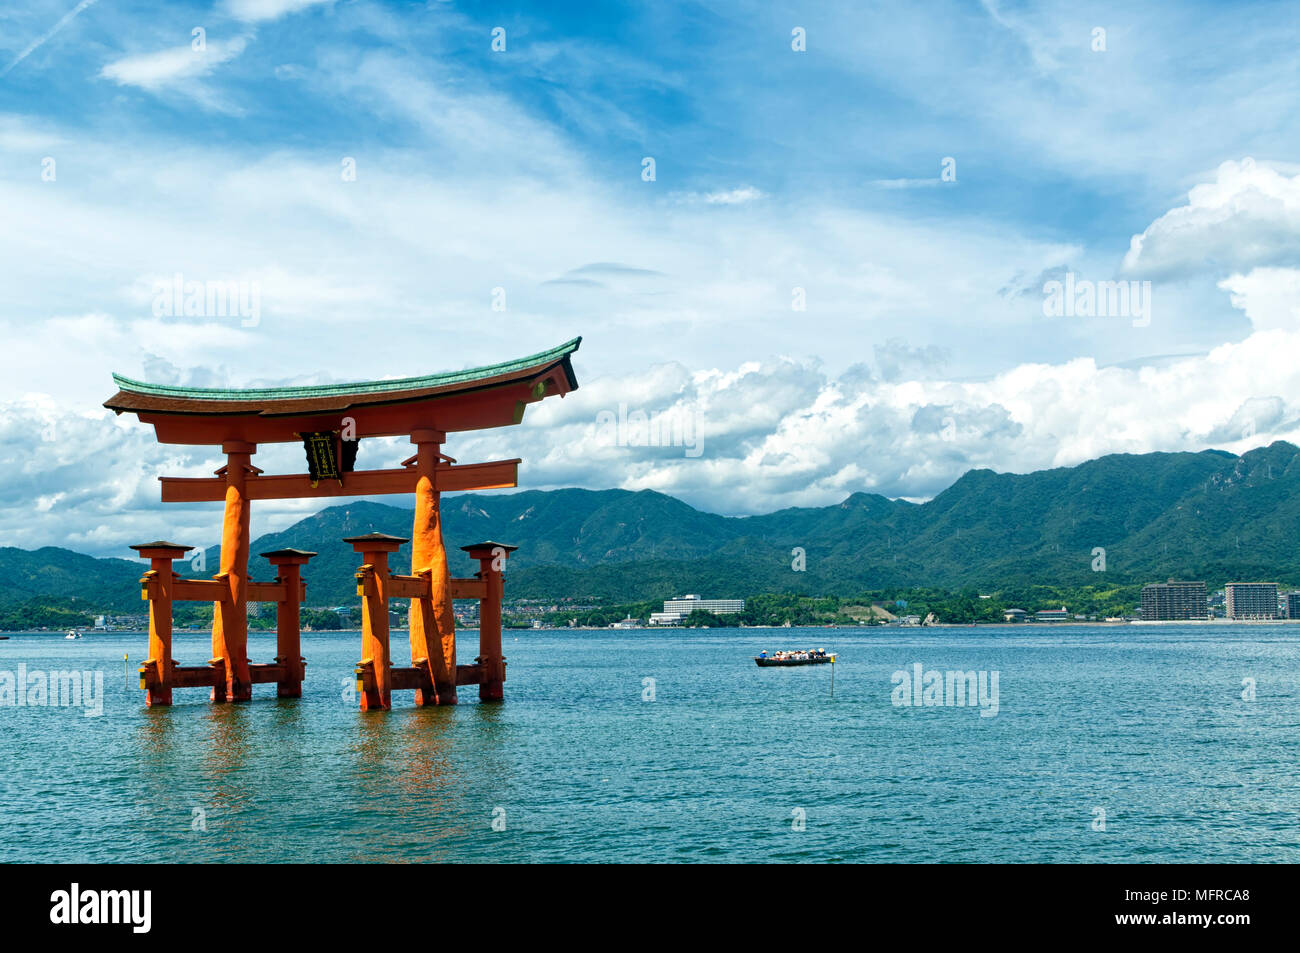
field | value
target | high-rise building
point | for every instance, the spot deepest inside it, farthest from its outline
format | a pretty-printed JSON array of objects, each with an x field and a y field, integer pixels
[
  {"x": 1251, "y": 600},
  {"x": 688, "y": 604},
  {"x": 1173, "y": 601},
  {"x": 675, "y": 610},
  {"x": 1293, "y": 605}
]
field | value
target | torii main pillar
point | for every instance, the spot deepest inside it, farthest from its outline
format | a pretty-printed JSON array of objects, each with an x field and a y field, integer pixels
[
  {"x": 230, "y": 616},
  {"x": 432, "y": 623}
]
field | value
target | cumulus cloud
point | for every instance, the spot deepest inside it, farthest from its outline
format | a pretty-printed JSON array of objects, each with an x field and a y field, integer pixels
[
  {"x": 1270, "y": 297},
  {"x": 1248, "y": 217},
  {"x": 73, "y": 477},
  {"x": 1268, "y": 414},
  {"x": 746, "y": 439},
  {"x": 785, "y": 433},
  {"x": 81, "y": 477},
  {"x": 896, "y": 359}
]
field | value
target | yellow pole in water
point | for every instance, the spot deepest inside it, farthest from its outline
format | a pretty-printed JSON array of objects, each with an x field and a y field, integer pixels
[
  {"x": 832, "y": 676},
  {"x": 126, "y": 664}
]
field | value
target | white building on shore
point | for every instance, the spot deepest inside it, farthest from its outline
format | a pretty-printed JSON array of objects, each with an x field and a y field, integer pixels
[{"x": 676, "y": 610}]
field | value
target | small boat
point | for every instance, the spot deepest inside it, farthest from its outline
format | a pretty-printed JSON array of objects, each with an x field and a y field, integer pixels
[
  {"x": 73, "y": 634},
  {"x": 782, "y": 659}
]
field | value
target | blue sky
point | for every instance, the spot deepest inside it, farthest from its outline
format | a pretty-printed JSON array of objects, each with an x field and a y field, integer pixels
[{"x": 129, "y": 153}]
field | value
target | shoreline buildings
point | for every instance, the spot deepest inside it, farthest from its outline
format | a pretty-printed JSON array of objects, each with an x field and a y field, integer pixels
[
  {"x": 1251, "y": 600},
  {"x": 676, "y": 610},
  {"x": 1293, "y": 605},
  {"x": 1174, "y": 601}
]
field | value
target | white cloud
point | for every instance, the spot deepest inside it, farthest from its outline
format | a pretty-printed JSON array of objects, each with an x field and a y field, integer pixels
[
  {"x": 261, "y": 11},
  {"x": 783, "y": 433},
  {"x": 737, "y": 196},
  {"x": 770, "y": 434},
  {"x": 1248, "y": 216},
  {"x": 740, "y": 195},
  {"x": 1270, "y": 297},
  {"x": 154, "y": 71},
  {"x": 786, "y": 434}
]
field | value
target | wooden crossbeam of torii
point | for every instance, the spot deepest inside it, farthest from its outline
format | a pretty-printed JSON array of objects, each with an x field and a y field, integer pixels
[
  {"x": 424, "y": 409},
  {"x": 496, "y": 475},
  {"x": 217, "y": 589}
]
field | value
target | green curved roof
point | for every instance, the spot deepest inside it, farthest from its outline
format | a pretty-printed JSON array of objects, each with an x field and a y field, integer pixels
[{"x": 344, "y": 390}]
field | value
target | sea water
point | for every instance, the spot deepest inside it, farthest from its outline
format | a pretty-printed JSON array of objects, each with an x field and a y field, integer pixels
[{"x": 1109, "y": 744}]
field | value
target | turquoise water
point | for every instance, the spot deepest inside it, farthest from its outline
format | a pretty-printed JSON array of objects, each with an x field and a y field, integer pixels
[{"x": 1147, "y": 724}]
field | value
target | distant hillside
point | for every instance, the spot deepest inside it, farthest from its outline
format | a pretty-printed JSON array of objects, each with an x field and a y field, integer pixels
[
  {"x": 1210, "y": 515},
  {"x": 54, "y": 572}
]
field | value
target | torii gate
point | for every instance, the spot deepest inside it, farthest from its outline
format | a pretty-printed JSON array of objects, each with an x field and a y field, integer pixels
[{"x": 425, "y": 409}]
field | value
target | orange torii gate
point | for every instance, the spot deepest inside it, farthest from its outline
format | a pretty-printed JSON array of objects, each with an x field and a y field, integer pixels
[{"x": 328, "y": 419}]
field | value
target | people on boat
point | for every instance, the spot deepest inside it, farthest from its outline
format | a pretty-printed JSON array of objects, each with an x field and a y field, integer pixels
[{"x": 800, "y": 655}]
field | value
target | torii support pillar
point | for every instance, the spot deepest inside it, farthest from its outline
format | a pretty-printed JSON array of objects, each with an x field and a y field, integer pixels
[
  {"x": 374, "y": 675},
  {"x": 156, "y": 587},
  {"x": 492, "y": 664},
  {"x": 432, "y": 619},
  {"x": 230, "y": 616},
  {"x": 288, "y": 643}
]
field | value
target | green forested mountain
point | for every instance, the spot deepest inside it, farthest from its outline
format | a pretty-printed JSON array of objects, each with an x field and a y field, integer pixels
[
  {"x": 1208, "y": 515},
  {"x": 61, "y": 576}
]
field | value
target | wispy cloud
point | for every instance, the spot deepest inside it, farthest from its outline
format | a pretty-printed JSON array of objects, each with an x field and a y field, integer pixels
[
  {"x": 614, "y": 268},
  {"x": 599, "y": 274},
  {"x": 742, "y": 195},
  {"x": 906, "y": 183},
  {"x": 738, "y": 196},
  {"x": 154, "y": 71}
]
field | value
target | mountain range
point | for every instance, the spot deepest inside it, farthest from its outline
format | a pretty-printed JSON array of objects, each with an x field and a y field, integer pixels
[{"x": 1210, "y": 515}]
